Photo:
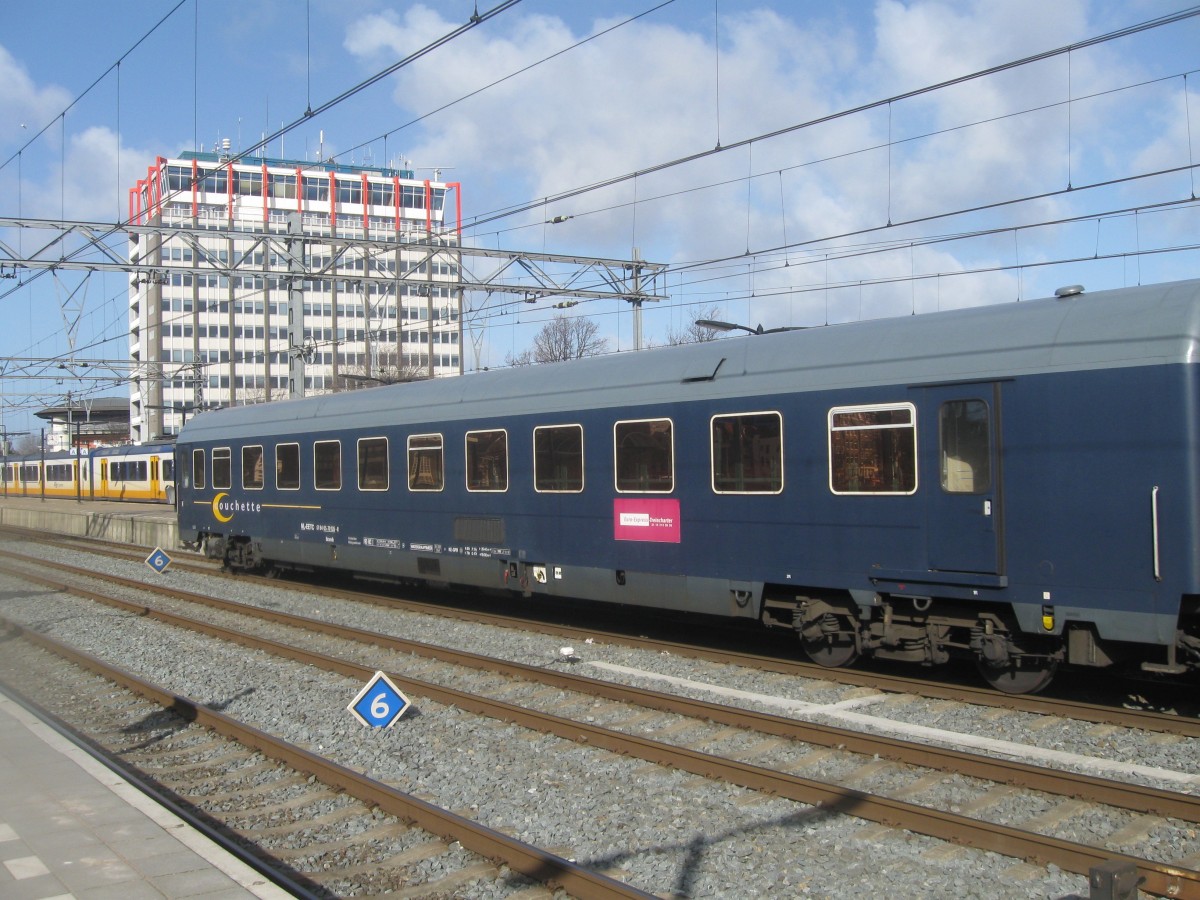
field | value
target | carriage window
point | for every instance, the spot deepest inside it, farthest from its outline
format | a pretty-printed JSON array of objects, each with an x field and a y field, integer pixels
[
  {"x": 558, "y": 458},
  {"x": 747, "y": 454},
  {"x": 644, "y": 456},
  {"x": 252, "y": 468},
  {"x": 966, "y": 459},
  {"x": 168, "y": 469},
  {"x": 222, "y": 468},
  {"x": 373, "y": 464},
  {"x": 873, "y": 450},
  {"x": 198, "y": 469},
  {"x": 487, "y": 460},
  {"x": 287, "y": 467},
  {"x": 327, "y": 472},
  {"x": 425, "y": 471}
]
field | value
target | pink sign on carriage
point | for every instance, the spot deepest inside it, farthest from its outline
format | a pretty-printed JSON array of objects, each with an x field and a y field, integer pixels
[{"x": 646, "y": 519}]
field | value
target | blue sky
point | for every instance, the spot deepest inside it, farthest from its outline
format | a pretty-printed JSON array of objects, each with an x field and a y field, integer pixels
[{"x": 677, "y": 81}]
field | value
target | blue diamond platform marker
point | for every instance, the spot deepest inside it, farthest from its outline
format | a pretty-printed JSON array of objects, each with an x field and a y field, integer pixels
[
  {"x": 380, "y": 703},
  {"x": 158, "y": 560}
]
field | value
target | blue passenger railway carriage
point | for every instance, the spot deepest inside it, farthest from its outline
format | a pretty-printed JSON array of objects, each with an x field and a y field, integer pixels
[{"x": 1018, "y": 484}]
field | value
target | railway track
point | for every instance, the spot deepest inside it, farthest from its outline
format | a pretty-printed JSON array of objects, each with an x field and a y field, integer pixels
[
  {"x": 276, "y": 803},
  {"x": 1083, "y": 711},
  {"x": 1159, "y": 877}
]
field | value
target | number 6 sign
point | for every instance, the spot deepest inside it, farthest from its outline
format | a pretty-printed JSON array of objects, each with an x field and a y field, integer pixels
[{"x": 380, "y": 703}]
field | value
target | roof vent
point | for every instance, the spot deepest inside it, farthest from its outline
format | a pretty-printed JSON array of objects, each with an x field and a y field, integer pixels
[{"x": 1071, "y": 290}]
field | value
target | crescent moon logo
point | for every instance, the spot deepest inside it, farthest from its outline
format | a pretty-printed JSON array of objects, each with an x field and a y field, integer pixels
[{"x": 216, "y": 508}]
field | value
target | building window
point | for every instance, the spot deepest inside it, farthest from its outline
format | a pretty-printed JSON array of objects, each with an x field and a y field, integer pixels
[
  {"x": 327, "y": 465},
  {"x": 349, "y": 191},
  {"x": 413, "y": 196},
  {"x": 317, "y": 189},
  {"x": 214, "y": 181},
  {"x": 644, "y": 456},
  {"x": 873, "y": 450},
  {"x": 373, "y": 464},
  {"x": 382, "y": 195},
  {"x": 248, "y": 184},
  {"x": 558, "y": 458},
  {"x": 425, "y": 469},
  {"x": 179, "y": 178},
  {"x": 487, "y": 460},
  {"x": 283, "y": 187},
  {"x": 747, "y": 453}
]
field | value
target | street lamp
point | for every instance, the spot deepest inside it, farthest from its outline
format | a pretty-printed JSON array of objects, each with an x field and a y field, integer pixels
[{"x": 718, "y": 325}]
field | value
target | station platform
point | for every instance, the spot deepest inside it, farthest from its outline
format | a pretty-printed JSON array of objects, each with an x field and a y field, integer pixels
[
  {"x": 133, "y": 524},
  {"x": 72, "y": 829}
]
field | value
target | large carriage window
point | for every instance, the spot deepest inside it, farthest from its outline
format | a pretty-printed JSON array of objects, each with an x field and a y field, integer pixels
[
  {"x": 425, "y": 472},
  {"x": 198, "y": 469},
  {"x": 252, "y": 468},
  {"x": 327, "y": 471},
  {"x": 558, "y": 458},
  {"x": 966, "y": 458},
  {"x": 222, "y": 468},
  {"x": 487, "y": 460},
  {"x": 747, "y": 453},
  {"x": 873, "y": 450},
  {"x": 373, "y": 464},
  {"x": 645, "y": 457},
  {"x": 287, "y": 467}
]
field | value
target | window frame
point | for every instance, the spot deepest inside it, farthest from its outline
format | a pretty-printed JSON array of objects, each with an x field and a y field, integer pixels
[
  {"x": 199, "y": 473},
  {"x": 469, "y": 463},
  {"x": 317, "y": 485},
  {"x": 387, "y": 462},
  {"x": 582, "y": 467},
  {"x": 226, "y": 454},
  {"x": 944, "y": 476},
  {"x": 712, "y": 451},
  {"x": 441, "y": 450},
  {"x": 280, "y": 486},
  {"x": 911, "y": 426},
  {"x": 248, "y": 485},
  {"x": 617, "y": 460}
]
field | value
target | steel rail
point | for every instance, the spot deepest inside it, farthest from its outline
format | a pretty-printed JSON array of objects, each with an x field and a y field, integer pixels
[
  {"x": 531, "y": 861},
  {"x": 1039, "y": 705},
  {"x": 1134, "y": 797},
  {"x": 1157, "y": 878}
]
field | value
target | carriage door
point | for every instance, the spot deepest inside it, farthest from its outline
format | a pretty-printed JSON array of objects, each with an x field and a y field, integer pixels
[
  {"x": 154, "y": 485},
  {"x": 960, "y": 434}
]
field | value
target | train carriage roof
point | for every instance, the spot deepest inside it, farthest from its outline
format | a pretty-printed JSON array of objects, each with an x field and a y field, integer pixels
[{"x": 1139, "y": 326}]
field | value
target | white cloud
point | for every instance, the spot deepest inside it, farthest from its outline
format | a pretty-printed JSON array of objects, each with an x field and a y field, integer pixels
[{"x": 25, "y": 107}]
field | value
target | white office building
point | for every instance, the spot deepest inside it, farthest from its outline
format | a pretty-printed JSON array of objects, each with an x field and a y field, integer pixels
[{"x": 228, "y": 307}]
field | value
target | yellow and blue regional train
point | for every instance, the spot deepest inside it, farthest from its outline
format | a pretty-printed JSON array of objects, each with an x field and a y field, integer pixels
[
  {"x": 145, "y": 473},
  {"x": 1017, "y": 485}
]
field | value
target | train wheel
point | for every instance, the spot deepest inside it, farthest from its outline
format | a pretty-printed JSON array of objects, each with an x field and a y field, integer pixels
[
  {"x": 827, "y": 645},
  {"x": 1031, "y": 675}
]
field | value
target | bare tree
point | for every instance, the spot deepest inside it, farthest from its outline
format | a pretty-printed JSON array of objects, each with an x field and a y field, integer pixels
[
  {"x": 563, "y": 338},
  {"x": 696, "y": 333},
  {"x": 389, "y": 368}
]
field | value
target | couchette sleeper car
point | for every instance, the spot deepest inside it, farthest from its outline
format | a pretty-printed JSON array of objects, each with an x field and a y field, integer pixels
[{"x": 1018, "y": 484}]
